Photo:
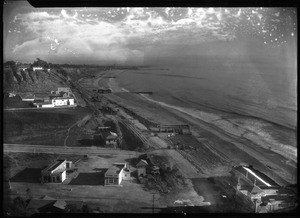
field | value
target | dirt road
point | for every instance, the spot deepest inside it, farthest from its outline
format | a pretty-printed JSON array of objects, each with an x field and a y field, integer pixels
[{"x": 65, "y": 150}]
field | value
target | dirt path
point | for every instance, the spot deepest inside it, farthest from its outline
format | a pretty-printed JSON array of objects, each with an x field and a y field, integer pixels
[
  {"x": 79, "y": 123},
  {"x": 65, "y": 141},
  {"x": 16, "y": 162}
]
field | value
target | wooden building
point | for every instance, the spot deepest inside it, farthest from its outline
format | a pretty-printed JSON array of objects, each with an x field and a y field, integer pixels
[
  {"x": 114, "y": 175},
  {"x": 142, "y": 168},
  {"x": 56, "y": 171}
]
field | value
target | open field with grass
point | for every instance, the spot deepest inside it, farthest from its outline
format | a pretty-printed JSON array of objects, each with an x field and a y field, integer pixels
[{"x": 44, "y": 127}]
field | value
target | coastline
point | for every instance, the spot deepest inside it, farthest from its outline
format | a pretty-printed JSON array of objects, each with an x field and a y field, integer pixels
[
  {"x": 253, "y": 138},
  {"x": 247, "y": 128}
]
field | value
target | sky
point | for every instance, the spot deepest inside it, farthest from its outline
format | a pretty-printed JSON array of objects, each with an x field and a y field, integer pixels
[{"x": 148, "y": 36}]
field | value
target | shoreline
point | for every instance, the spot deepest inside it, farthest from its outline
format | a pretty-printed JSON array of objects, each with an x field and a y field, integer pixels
[
  {"x": 240, "y": 131},
  {"x": 246, "y": 130}
]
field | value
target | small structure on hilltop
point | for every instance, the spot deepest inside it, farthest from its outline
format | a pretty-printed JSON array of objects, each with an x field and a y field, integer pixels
[
  {"x": 63, "y": 89},
  {"x": 37, "y": 68},
  {"x": 11, "y": 94},
  {"x": 23, "y": 67},
  {"x": 142, "y": 167},
  {"x": 103, "y": 128},
  {"x": 112, "y": 140},
  {"x": 56, "y": 171},
  {"x": 104, "y": 91},
  {"x": 115, "y": 174}
]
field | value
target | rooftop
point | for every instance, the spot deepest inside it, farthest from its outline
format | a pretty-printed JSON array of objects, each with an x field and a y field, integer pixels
[
  {"x": 42, "y": 103},
  {"x": 53, "y": 165},
  {"x": 111, "y": 137},
  {"x": 115, "y": 169},
  {"x": 26, "y": 95},
  {"x": 142, "y": 163},
  {"x": 262, "y": 180},
  {"x": 62, "y": 98}
]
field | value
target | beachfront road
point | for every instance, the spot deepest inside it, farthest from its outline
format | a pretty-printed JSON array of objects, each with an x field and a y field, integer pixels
[{"x": 47, "y": 149}]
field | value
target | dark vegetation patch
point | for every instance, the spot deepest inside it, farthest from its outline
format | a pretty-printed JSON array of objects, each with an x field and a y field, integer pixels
[{"x": 28, "y": 175}]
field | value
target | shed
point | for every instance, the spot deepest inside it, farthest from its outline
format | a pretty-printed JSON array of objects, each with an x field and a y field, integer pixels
[{"x": 142, "y": 167}]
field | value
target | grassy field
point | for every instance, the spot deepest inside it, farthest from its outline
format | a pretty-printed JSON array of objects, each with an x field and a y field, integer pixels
[{"x": 44, "y": 127}]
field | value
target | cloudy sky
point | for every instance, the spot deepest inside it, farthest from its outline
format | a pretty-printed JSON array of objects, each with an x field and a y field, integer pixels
[{"x": 146, "y": 35}]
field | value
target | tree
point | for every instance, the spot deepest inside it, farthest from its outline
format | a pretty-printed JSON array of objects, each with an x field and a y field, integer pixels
[{"x": 40, "y": 63}]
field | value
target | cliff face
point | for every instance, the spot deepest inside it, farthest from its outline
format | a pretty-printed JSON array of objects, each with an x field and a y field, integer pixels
[{"x": 35, "y": 81}]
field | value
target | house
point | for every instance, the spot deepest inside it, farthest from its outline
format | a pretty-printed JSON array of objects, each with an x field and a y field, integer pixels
[
  {"x": 42, "y": 97},
  {"x": 11, "y": 94},
  {"x": 50, "y": 205},
  {"x": 103, "y": 128},
  {"x": 56, "y": 171},
  {"x": 112, "y": 140},
  {"x": 27, "y": 96},
  {"x": 23, "y": 66},
  {"x": 43, "y": 105},
  {"x": 37, "y": 68},
  {"x": 65, "y": 94},
  {"x": 142, "y": 167},
  {"x": 63, "y": 89},
  {"x": 114, "y": 175},
  {"x": 61, "y": 101}
]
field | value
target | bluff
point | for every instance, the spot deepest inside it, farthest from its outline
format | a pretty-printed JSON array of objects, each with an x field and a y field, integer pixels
[{"x": 26, "y": 80}]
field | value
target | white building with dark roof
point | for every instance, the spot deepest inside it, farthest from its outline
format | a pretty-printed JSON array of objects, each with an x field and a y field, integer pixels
[
  {"x": 114, "y": 175},
  {"x": 37, "y": 68},
  {"x": 62, "y": 101},
  {"x": 55, "y": 172}
]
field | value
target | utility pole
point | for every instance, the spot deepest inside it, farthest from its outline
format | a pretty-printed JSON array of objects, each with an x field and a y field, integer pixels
[{"x": 153, "y": 202}]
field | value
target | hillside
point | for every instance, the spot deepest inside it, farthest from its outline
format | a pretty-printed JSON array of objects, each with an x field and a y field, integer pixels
[{"x": 16, "y": 79}]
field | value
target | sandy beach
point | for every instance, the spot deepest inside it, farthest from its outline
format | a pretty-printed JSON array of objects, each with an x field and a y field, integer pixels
[{"x": 244, "y": 136}]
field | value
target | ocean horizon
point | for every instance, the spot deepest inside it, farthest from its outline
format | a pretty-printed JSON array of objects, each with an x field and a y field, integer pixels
[{"x": 249, "y": 94}]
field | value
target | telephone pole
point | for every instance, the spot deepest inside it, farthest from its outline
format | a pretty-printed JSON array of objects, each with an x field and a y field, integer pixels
[{"x": 153, "y": 202}]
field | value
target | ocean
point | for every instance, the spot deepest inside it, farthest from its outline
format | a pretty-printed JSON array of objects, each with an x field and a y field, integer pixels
[
  {"x": 264, "y": 104},
  {"x": 270, "y": 98}
]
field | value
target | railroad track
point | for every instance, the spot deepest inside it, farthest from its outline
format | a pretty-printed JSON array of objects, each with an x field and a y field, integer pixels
[
  {"x": 193, "y": 161},
  {"x": 138, "y": 133},
  {"x": 206, "y": 143}
]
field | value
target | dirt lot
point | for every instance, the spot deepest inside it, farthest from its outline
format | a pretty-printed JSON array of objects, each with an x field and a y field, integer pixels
[{"x": 86, "y": 184}]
